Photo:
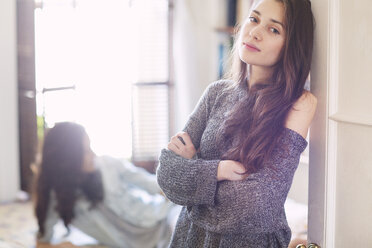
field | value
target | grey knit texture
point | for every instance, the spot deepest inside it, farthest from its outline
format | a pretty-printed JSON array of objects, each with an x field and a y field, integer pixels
[{"x": 247, "y": 213}]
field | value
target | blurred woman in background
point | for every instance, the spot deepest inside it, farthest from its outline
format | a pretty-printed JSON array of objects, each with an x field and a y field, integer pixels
[{"x": 111, "y": 200}]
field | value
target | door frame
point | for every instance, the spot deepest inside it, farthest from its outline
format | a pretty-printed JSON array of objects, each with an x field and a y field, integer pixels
[
  {"x": 323, "y": 132},
  {"x": 331, "y": 179}
]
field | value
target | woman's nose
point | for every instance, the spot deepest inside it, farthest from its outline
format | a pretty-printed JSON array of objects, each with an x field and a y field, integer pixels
[{"x": 256, "y": 32}]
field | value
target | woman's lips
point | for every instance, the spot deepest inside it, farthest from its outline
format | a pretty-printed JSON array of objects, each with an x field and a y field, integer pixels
[{"x": 251, "y": 47}]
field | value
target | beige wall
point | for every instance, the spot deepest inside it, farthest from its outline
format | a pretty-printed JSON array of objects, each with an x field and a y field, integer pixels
[
  {"x": 354, "y": 186},
  {"x": 355, "y": 89},
  {"x": 340, "y": 181},
  {"x": 354, "y": 150},
  {"x": 9, "y": 165}
]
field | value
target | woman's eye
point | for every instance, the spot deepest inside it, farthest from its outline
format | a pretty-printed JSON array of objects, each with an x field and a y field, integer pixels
[
  {"x": 252, "y": 19},
  {"x": 274, "y": 30}
]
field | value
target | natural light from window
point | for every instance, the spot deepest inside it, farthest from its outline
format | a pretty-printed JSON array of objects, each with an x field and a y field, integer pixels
[{"x": 88, "y": 45}]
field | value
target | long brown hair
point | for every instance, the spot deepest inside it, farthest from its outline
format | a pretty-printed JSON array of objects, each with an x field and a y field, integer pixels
[
  {"x": 61, "y": 171},
  {"x": 254, "y": 125}
]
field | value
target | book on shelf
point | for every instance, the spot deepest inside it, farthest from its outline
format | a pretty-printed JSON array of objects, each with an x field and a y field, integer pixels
[{"x": 231, "y": 12}]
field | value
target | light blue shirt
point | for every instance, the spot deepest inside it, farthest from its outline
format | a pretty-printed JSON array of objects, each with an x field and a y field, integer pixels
[{"x": 132, "y": 214}]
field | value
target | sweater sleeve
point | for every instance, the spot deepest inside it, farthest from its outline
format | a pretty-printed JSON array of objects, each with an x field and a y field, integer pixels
[
  {"x": 256, "y": 203},
  {"x": 191, "y": 181},
  {"x": 187, "y": 182}
]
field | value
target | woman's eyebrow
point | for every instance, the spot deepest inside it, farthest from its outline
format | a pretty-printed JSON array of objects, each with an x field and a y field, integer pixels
[{"x": 273, "y": 20}]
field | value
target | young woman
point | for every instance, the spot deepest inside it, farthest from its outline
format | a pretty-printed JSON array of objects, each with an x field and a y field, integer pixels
[
  {"x": 113, "y": 201},
  {"x": 250, "y": 132}
]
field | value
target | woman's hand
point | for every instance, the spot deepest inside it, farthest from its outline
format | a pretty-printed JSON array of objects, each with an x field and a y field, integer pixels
[
  {"x": 230, "y": 170},
  {"x": 182, "y": 145}
]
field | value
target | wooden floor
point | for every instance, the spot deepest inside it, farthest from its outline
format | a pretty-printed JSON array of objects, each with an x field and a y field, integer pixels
[{"x": 18, "y": 229}]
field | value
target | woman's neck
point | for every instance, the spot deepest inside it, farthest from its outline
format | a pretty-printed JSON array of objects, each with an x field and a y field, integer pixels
[{"x": 258, "y": 74}]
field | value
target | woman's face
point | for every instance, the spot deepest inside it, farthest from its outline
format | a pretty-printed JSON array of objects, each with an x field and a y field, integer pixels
[
  {"x": 89, "y": 155},
  {"x": 262, "y": 35}
]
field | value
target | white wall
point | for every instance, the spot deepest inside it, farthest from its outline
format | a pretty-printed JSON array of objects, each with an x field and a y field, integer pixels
[
  {"x": 195, "y": 53},
  {"x": 9, "y": 162},
  {"x": 354, "y": 126},
  {"x": 340, "y": 181},
  {"x": 300, "y": 184}
]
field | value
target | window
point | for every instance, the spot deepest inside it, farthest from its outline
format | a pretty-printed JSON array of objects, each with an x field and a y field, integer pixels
[{"x": 104, "y": 64}]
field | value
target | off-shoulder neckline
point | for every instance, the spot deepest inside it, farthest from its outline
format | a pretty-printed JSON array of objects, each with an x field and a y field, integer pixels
[{"x": 298, "y": 136}]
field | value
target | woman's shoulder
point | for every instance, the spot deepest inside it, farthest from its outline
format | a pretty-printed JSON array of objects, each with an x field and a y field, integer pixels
[
  {"x": 302, "y": 113},
  {"x": 307, "y": 101},
  {"x": 218, "y": 88},
  {"x": 219, "y": 85},
  {"x": 222, "y": 83}
]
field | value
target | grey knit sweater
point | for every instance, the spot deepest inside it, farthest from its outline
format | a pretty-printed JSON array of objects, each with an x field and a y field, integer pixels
[{"x": 247, "y": 213}]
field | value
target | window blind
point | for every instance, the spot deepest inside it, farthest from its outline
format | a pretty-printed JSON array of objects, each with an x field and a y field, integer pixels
[{"x": 150, "y": 94}]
